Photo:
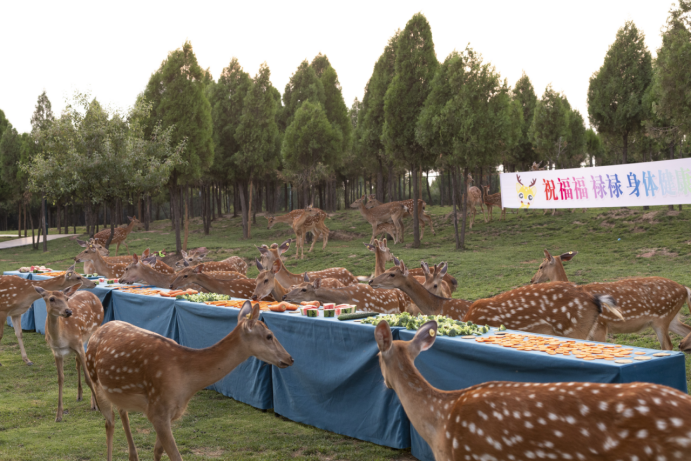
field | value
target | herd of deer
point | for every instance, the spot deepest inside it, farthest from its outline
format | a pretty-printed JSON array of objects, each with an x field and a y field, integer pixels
[{"x": 137, "y": 370}]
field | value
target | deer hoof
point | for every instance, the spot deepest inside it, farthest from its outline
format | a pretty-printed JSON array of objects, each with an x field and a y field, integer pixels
[
  {"x": 79, "y": 398},
  {"x": 58, "y": 419},
  {"x": 29, "y": 362}
]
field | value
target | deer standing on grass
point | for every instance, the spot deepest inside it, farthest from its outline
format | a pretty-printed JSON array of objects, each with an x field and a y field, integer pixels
[
  {"x": 119, "y": 236},
  {"x": 266, "y": 283},
  {"x": 237, "y": 288},
  {"x": 309, "y": 221},
  {"x": 17, "y": 295},
  {"x": 137, "y": 370},
  {"x": 517, "y": 421},
  {"x": 99, "y": 264},
  {"x": 363, "y": 296},
  {"x": 73, "y": 316},
  {"x": 382, "y": 214},
  {"x": 491, "y": 201},
  {"x": 191, "y": 259},
  {"x": 560, "y": 308},
  {"x": 644, "y": 301},
  {"x": 288, "y": 279},
  {"x": 408, "y": 205}
]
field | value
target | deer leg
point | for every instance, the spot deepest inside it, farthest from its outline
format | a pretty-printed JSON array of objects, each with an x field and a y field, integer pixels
[
  {"x": 325, "y": 232},
  {"x": 678, "y": 327},
  {"x": 662, "y": 331},
  {"x": 124, "y": 417},
  {"x": 81, "y": 359},
  {"x": 17, "y": 324},
  {"x": 117, "y": 248},
  {"x": 127, "y": 247},
  {"x": 108, "y": 413},
  {"x": 598, "y": 332},
  {"x": 80, "y": 392},
  {"x": 315, "y": 236},
  {"x": 61, "y": 379},
  {"x": 164, "y": 436}
]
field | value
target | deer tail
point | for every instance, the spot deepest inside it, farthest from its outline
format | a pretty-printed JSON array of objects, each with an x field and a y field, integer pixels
[{"x": 609, "y": 303}]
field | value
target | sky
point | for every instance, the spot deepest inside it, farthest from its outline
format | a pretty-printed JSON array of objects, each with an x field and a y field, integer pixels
[{"x": 111, "y": 49}]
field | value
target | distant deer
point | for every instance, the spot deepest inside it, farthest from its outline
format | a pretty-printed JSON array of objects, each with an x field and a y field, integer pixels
[
  {"x": 237, "y": 288},
  {"x": 119, "y": 236},
  {"x": 310, "y": 221},
  {"x": 644, "y": 301},
  {"x": 191, "y": 259},
  {"x": 99, "y": 264},
  {"x": 423, "y": 217},
  {"x": 380, "y": 214},
  {"x": 137, "y": 370},
  {"x": 65, "y": 337},
  {"x": 501, "y": 420},
  {"x": 266, "y": 283},
  {"x": 491, "y": 201},
  {"x": 474, "y": 199}
]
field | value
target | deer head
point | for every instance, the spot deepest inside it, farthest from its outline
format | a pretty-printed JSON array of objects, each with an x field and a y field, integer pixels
[
  {"x": 187, "y": 276},
  {"x": 303, "y": 292},
  {"x": 272, "y": 254},
  {"x": 190, "y": 259},
  {"x": 265, "y": 280},
  {"x": 392, "y": 278},
  {"x": 259, "y": 340},
  {"x": 271, "y": 221},
  {"x": 433, "y": 278},
  {"x": 57, "y": 301},
  {"x": 358, "y": 202},
  {"x": 101, "y": 249},
  {"x": 551, "y": 269}
]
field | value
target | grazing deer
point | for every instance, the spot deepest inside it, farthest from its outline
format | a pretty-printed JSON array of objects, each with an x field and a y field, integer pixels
[
  {"x": 88, "y": 266},
  {"x": 492, "y": 200},
  {"x": 100, "y": 265},
  {"x": 137, "y": 370},
  {"x": 72, "y": 318},
  {"x": 17, "y": 295},
  {"x": 644, "y": 301},
  {"x": 266, "y": 283},
  {"x": 501, "y": 420},
  {"x": 288, "y": 218},
  {"x": 144, "y": 269},
  {"x": 407, "y": 213},
  {"x": 288, "y": 279},
  {"x": 119, "y": 236},
  {"x": 191, "y": 259},
  {"x": 237, "y": 288},
  {"x": 363, "y": 296},
  {"x": 382, "y": 214},
  {"x": 560, "y": 308}
]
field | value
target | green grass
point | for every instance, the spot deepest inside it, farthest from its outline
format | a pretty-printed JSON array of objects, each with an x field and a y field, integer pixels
[{"x": 500, "y": 256}]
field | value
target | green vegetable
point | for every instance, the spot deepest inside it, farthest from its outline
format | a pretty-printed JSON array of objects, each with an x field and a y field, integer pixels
[
  {"x": 357, "y": 315},
  {"x": 502, "y": 328},
  {"x": 203, "y": 297},
  {"x": 445, "y": 325}
]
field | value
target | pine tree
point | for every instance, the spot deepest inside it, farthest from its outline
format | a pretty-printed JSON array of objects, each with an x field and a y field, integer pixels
[
  {"x": 550, "y": 127},
  {"x": 524, "y": 94},
  {"x": 304, "y": 85},
  {"x": 416, "y": 63},
  {"x": 616, "y": 90},
  {"x": 3, "y": 123}
]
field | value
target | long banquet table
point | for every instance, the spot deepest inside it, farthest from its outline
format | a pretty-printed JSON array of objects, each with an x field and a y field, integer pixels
[{"x": 336, "y": 384}]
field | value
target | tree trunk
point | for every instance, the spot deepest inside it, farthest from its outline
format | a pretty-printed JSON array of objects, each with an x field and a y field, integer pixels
[
  {"x": 187, "y": 218},
  {"x": 240, "y": 187},
  {"x": 285, "y": 198},
  {"x": 112, "y": 226},
  {"x": 238, "y": 197},
  {"x": 429, "y": 194},
  {"x": 249, "y": 225},
  {"x": 454, "y": 188},
  {"x": 34, "y": 245},
  {"x": 175, "y": 210},
  {"x": 45, "y": 225},
  {"x": 416, "y": 217},
  {"x": 19, "y": 220},
  {"x": 380, "y": 181},
  {"x": 464, "y": 207}
]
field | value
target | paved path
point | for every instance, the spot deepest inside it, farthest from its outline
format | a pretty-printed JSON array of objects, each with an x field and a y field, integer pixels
[{"x": 19, "y": 242}]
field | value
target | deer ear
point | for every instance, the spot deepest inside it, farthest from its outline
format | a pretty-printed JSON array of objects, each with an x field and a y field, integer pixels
[
  {"x": 70, "y": 291},
  {"x": 146, "y": 253},
  {"x": 317, "y": 282},
  {"x": 135, "y": 258},
  {"x": 568, "y": 256},
  {"x": 404, "y": 269},
  {"x": 71, "y": 268},
  {"x": 424, "y": 338},
  {"x": 305, "y": 277},
  {"x": 383, "y": 243},
  {"x": 284, "y": 247},
  {"x": 396, "y": 261},
  {"x": 263, "y": 250},
  {"x": 199, "y": 269},
  {"x": 40, "y": 291},
  {"x": 276, "y": 267},
  {"x": 259, "y": 264},
  {"x": 183, "y": 253},
  {"x": 425, "y": 267},
  {"x": 81, "y": 243},
  {"x": 548, "y": 257},
  {"x": 443, "y": 267},
  {"x": 248, "y": 315},
  {"x": 382, "y": 333}
]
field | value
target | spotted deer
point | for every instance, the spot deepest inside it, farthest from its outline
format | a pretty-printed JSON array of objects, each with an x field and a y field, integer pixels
[
  {"x": 644, "y": 301},
  {"x": 407, "y": 213},
  {"x": 474, "y": 199},
  {"x": 399, "y": 277},
  {"x": 309, "y": 221},
  {"x": 237, "y": 288},
  {"x": 17, "y": 295},
  {"x": 387, "y": 228},
  {"x": 266, "y": 283},
  {"x": 491, "y": 201},
  {"x": 434, "y": 279},
  {"x": 361, "y": 295},
  {"x": 88, "y": 266},
  {"x": 288, "y": 279},
  {"x": 137, "y": 370},
  {"x": 518, "y": 421},
  {"x": 191, "y": 259},
  {"x": 100, "y": 265},
  {"x": 382, "y": 214},
  {"x": 73, "y": 316},
  {"x": 119, "y": 236},
  {"x": 288, "y": 218},
  {"x": 559, "y": 308}
]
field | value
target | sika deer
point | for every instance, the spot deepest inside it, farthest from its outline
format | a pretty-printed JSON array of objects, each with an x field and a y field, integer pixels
[
  {"x": 100, "y": 265},
  {"x": 408, "y": 205},
  {"x": 310, "y": 221},
  {"x": 137, "y": 370},
  {"x": 65, "y": 337},
  {"x": 237, "y": 288},
  {"x": 119, "y": 236},
  {"x": 266, "y": 283},
  {"x": 288, "y": 279},
  {"x": 88, "y": 265},
  {"x": 644, "y": 301},
  {"x": 434, "y": 280},
  {"x": 491, "y": 201},
  {"x": 517, "y": 421},
  {"x": 17, "y": 295},
  {"x": 233, "y": 263},
  {"x": 560, "y": 308},
  {"x": 382, "y": 214},
  {"x": 363, "y": 296}
]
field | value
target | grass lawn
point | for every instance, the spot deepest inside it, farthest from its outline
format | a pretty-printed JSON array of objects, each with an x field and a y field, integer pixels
[{"x": 612, "y": 244}]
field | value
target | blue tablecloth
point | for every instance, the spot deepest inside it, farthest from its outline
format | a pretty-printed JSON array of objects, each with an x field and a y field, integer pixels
[
  {"x": 152, "y": 313},
  {"x": 28, "y": 322},
  {"x": 455, "y": 363},
  {"x": 201, "y": 325},
  {"x": 335, "y": 383}
]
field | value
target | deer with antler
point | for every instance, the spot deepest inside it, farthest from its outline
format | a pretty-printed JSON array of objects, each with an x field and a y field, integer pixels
[
  {"x": 526, "y": 194},
  {"x": 408, "y": 205},
  {"x": 288, "y": 279},
  {"x": 119, "y": 234},
  {"x": 560, "y": 308},
  {"x": 73, "y": 316},
  {"x": 137, "y": 370},
  {"x": 17, "y": 295},
  {"x": 644, "y": 301},
  {"x": 516, "y": 421}
]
